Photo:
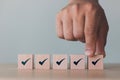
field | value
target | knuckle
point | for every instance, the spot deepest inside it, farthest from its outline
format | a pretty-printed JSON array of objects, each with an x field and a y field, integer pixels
[
  {"x": 58, "y": 16},
  {"x": 76, "y": 18},
  {"x": 66, "y": 14},
  {"x": 60, "y": 36},
  {"x": 66, "y": 11},
  {"x": 78, "y": 36},
  {"x": 91, "y": 7},
  {"x": 75, "y": 7},
  {"x": 90, "y": 31},
  {"x": 69, "y": 37},
  {"x": 75, "y": 10}
]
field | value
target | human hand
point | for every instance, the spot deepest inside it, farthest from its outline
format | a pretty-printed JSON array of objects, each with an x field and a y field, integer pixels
[{"x": 85, "y": 21}]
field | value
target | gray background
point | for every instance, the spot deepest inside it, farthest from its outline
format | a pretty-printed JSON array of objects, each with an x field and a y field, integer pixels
[{"x": 28, "y": 26}]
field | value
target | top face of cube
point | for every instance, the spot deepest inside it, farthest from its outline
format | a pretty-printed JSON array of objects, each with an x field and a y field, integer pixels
[
  {"x": 25, "y": 61},
  {"x": 59, "y": 61},
  {"x": 95, "y": 62}
]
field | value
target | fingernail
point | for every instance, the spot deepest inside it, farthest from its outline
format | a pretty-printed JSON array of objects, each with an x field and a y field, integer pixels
[{"x": 88, "y": 52}]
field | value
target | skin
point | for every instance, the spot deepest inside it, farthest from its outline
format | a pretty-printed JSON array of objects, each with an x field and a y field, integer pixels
[{"x": 84, "y": 21}]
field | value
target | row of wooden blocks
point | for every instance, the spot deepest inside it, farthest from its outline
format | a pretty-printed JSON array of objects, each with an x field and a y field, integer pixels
[{"x": 43, "y": 61}]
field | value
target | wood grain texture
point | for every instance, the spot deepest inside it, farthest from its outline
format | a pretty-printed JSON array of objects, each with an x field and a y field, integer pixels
[{"x": 10, "y": 72}]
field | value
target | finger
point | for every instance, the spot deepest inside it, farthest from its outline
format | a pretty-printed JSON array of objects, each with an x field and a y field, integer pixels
[
  {"x": 78, "y": 28},
  {"x": 102, "y": 37},
  {"x": 68, "y": 27},
  {"x": 91, "y": 28},
  {"x": 59, "y": 26}
]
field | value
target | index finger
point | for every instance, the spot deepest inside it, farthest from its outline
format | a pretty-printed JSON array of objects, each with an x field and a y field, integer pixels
[{"x": 91, "y": 32}]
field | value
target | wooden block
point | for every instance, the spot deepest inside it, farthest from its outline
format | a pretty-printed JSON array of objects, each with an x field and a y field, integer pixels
[
  {"x": 95, "y": 62},
  {"x": 59, "y": 61},
  {"x": 42, "y": 61},
  {"x": 25, "y": 61},
  {"x": 77, "y": 61}
]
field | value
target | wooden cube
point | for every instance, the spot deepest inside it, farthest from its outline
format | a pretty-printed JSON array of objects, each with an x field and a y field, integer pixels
[
  {"x": 77, "y": 61},
  {"x": 42, "y": 61},
  {"x": 59, "y": 61},
  {"x": 25, "y": 61},
  {"x": 95, "y": 62}
]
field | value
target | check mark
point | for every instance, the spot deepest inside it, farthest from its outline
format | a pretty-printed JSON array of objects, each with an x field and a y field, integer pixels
[
  {"x": 95, "y": 62},
  {"x": 59, "y": 62},
  {"x": 76, "y": 62},
  {"x": 24, "y": 62},
  {"x": 42, "y": 62}
]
